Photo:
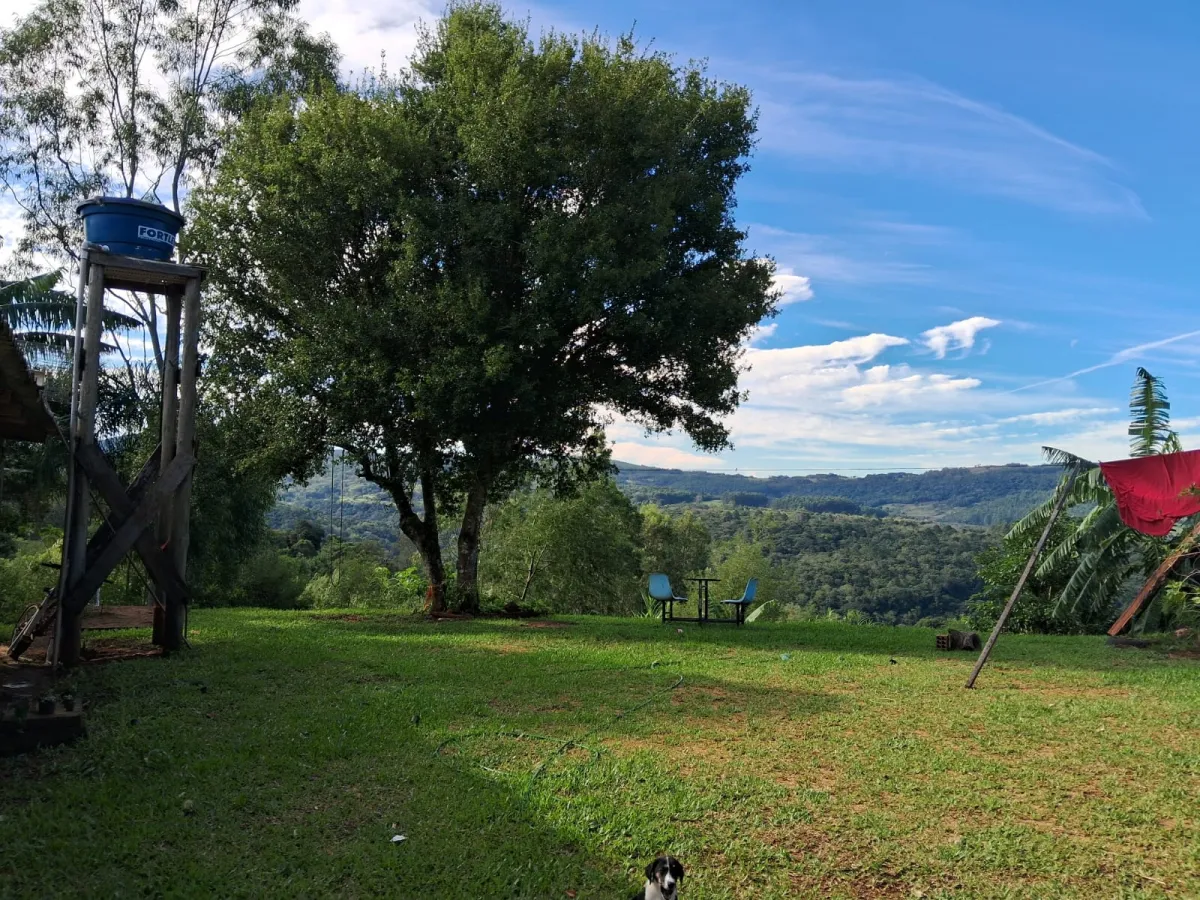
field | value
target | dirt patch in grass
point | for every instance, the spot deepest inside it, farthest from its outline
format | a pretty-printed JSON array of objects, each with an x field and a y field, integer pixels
[
  {"x": 546, "y": 624},
  {"x": 96, "y": 650},
  {"x": 107, "y": 618}
]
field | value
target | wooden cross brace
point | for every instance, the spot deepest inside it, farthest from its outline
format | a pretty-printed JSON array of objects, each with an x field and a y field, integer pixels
[{"x": 132, "y": 514}]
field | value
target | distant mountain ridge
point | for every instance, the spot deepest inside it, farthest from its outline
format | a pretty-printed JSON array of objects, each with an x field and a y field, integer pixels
[{"x": 982, "y": 495}]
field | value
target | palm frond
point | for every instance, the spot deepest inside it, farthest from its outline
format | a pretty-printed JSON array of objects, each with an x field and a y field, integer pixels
[
  {"x": 1149, "y": 415},
  {"x": 1085, "y": 487},
  {"x": 38, "y": 285},
  {"x": 1066, "y": 459}
]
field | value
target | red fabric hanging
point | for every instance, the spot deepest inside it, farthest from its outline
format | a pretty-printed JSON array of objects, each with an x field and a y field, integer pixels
[{"x": 1152, "y": 492}]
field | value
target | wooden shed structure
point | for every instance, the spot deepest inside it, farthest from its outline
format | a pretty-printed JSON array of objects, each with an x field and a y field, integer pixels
[{"x": 23, "y": 415}]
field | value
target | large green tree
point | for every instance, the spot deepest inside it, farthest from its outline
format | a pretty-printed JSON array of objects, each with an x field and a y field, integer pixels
[{"x": 460, "y": 275}]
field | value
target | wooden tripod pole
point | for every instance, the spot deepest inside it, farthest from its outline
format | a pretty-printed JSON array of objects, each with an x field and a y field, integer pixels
[{"x": 1012, "y": 601}]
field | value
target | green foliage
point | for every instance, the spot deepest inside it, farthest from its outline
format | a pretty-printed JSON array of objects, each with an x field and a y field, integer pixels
[
  {"x": 42, "y": 320},
  {"x": 268, "y": 579},
  {"x": 106, "y": 96},
  {"x": 24, "y": 580},
  {"x": 359, "y": 582},
  {"x": 675, "y": 545},
  {"x": 1177, "y": 606},
  {"x": 890, "y": 570},
  {"x": 828, "y": 505},
  {"x": 452, "y": 276},
  {"x": 1037, "y": 611},
  {"x": 735, "y": 564},
  {"x": 573, "y": 554}
]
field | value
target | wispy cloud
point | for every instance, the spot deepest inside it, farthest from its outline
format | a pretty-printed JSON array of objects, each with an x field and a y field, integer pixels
[
  {"x": 829, "y": 258},
  {"x": 956, "y": 336},
  {"x": 762, "y": 333},
  {"x": 1129, "y": 354},
  {"x": 912, "y": 127}
]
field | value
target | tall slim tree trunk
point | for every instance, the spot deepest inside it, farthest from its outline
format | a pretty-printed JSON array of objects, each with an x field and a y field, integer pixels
[{"x": 467, "y": 569}]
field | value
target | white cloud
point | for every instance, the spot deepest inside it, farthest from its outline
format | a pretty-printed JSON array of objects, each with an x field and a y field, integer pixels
[
  {"x": 956, "y": 336},
  {"x": 915, "y": 128},
  {"x": 793, "y": 288},
  {"x": 661, "y": 456},
  {"x": 1059, "y": 416},
  {"x": 363, "y": 31},
  {"x": 880, "y": 387},
  {"x": 1129, "y": 354},
  {"x": 762, "y": 333}
]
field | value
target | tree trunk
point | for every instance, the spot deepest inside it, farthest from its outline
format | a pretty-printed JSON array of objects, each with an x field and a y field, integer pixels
[
  {"x": 468, "y": 549},
  {"x": 435, "y": 595},
  {"x": 422, "y": 532}
]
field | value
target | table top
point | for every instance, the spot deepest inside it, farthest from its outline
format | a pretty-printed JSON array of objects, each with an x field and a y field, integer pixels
[{"x": 702, "y": 578}]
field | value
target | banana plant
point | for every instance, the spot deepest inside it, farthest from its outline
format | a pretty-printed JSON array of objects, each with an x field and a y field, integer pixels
[{"x": 1105, "y": 552}]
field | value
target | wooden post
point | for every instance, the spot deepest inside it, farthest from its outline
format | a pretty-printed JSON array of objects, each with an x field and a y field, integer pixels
[
  {"x": 185, "y": 444},
  {"x": 75, "y": 538},
  {"x": 1154, "y": 582},
  {"x": 167, "y": 432},
  {"x": 72, "y": 471},
  {"x": 1012, "y": 601}
]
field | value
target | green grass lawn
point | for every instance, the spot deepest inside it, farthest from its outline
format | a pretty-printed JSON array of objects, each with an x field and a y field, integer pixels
[{"x": 281, "y": 755}]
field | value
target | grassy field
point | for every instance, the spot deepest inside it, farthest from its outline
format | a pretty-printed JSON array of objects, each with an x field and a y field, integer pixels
[{"x": 283, "y": 753}]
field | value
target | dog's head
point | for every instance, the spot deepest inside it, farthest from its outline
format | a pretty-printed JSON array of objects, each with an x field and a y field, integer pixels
[{"x": 666, "y": 874}]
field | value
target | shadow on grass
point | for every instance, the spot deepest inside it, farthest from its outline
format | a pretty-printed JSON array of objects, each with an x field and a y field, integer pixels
[
  {"x": 280, "y": 758},
  {"x": 224, "y": 773}
]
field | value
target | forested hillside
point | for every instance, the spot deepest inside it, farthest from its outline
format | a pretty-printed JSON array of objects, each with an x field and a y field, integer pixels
[
  {"x": 893, "y": 570},
  {"x": 984, "y": 495},
  {"x": 877, "y": 544}
]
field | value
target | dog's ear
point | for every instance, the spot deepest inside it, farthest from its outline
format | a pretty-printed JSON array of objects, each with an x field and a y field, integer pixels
[
  {"x": 677, "y": 869},
  {"x": 650, "y": 869}
]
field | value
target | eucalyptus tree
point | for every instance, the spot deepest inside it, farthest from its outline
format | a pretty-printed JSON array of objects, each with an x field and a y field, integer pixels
[
  {"x": 133, "y": 98},
  {"x": 459, "y": 275}
]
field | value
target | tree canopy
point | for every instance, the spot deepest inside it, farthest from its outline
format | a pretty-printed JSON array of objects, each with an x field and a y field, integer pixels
[{"x": 459, "y": 275}]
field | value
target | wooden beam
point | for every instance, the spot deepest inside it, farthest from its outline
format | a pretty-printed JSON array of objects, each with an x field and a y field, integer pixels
[
  {"x": 135, "y": 267},
  {"x": 1012, "y": 600},
  {"x": 84, "y": 427},
  {"x": 145, "y": 478},
  {"x": 189, "y": 375},
  {"x": 158, "y": 564},
  {"x": 1154, "y": 582},
  {"x": 169, "y": 422},
  {"x": 126, "y": 536}
]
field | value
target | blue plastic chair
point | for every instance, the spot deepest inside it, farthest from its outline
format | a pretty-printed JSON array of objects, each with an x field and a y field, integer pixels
[
  {"x": 744, "y": 601},
  {"x": 660, "y": 590}
]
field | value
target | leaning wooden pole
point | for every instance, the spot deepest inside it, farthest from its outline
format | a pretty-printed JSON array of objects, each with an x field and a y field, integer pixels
[
  {"x": 1012, "y": 601},
  {"x": 1154, "y": 582},
  {"x": 76, "y": 537},
  {"x": 189, "y": 373}
]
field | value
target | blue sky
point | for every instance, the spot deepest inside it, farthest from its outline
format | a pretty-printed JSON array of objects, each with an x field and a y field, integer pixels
[{"x": 985, "y": 216}]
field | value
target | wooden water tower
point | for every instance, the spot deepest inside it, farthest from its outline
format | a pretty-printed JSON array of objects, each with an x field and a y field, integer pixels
[{"x": 149, "y": 516}]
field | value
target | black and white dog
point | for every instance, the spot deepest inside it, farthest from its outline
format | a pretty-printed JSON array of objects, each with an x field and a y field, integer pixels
[{"x": 663, "y": 879}]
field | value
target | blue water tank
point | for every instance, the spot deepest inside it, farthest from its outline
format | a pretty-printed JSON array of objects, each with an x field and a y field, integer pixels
[{"x": 130, "y": 227}]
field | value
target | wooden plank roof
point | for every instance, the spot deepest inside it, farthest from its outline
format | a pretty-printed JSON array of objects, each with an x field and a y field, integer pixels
[{"x": 23, "y": 416}]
